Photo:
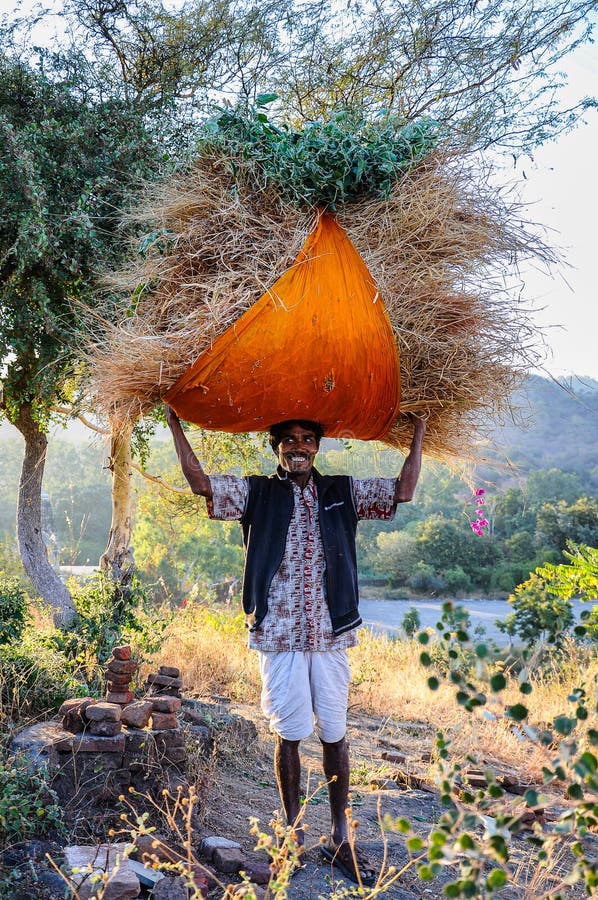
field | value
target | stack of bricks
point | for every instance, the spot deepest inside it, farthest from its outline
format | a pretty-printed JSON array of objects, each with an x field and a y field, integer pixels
[
  {"x": 164, "y": 693},
  {"x": 119, "y": 673},
  {"x": 92, "y": 717}
]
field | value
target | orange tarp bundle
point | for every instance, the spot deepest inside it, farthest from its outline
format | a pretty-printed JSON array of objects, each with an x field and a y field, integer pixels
[{"x": 317, "y": 345}]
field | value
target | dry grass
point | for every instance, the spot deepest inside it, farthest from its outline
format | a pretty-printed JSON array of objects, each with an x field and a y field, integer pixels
[
  {"x": 388, "y": 681},
  {"x": 437, "y": 249}
]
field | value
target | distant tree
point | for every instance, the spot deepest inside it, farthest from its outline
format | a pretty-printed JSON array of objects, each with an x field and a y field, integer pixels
[
  {"x": 552, "y": 485},
  {"x": 397, "y": 555},
  {"x": 68, "y": 162},
  {"x": 512, "y": 513},
  {"x": 411, "y": 621},
  {"x": 559, "y": 523}
]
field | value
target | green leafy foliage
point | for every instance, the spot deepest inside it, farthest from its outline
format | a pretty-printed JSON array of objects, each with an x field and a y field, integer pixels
[
  {"x": 13, "y": 609},
  {"x": 538, "y": 613},
  {"x": 326, "y": 163},
  {"x": 28, "y": 805}
]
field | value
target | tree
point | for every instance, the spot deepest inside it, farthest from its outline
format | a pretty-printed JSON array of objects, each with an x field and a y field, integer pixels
[
  {"x": 68, "y": 163},
  {"x": 559, "y": 523},
  {"x": 539, "y": 614}
]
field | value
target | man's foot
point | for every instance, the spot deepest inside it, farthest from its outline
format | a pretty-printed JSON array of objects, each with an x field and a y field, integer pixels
[{"x": 352, "y": 861}]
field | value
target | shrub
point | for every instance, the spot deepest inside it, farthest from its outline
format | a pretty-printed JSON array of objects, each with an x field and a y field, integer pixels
[
  {"x": 28, "y": 805},
  {"x": 410, "y": 622},
  {"x": 457, "y": 580},
  {"x": 13, "y": 609},
  {"x": 539, "y": 615},
  {"x": 34, "y": 679},
  {"x": 424, "y": 580}
]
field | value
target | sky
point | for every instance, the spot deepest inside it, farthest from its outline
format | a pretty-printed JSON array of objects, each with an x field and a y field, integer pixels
[{"x": 561, "y": 186}]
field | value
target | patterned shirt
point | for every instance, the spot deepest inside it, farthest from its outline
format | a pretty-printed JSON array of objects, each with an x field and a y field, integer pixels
[{"x": 298, "y": 617}]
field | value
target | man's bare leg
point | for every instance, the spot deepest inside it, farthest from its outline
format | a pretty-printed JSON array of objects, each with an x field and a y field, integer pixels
[
  {"x": 287, "y": 768},
  {"x": 336, "y": 770}
]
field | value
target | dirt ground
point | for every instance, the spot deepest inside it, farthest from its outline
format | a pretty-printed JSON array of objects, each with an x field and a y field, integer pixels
[{"x": 244, "y": 787}]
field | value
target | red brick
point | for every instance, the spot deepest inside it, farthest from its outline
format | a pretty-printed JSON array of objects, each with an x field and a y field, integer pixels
[
  {"x": 164, "y": 681},
  {"x": 170, "y": 671},
  {"x": 91, "y": 743},
  {"x": 166, "y": 704},
  {"x": 103, "y": 712},
  {"x": 123, "y": 652},
  {"x": 122, "y": 697},
  {"x": 105, "y": 728},
  {"x": 137, "y": 714},
  {"x": 114, "y": 678},
  {"x": 122, "y": 666},
  {"x": 228, "y": 860},
  {"x": 162, "y": 721}
]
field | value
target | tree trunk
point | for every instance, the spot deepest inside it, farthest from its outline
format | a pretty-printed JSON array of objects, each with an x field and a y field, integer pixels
[
  {"x": 117, "y": 559},
  {"x": 29, "y": 520}
]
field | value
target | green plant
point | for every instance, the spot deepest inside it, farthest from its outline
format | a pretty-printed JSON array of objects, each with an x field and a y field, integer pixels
[
  {"x": 34, "y": 678},
  {"x": 28, "y": 805},
  {"x": 411, "y": 621},
  {"x": 539, "y": 614},
  {"x": 13, "y": 609},
  {"x": 326, "y": 163}
]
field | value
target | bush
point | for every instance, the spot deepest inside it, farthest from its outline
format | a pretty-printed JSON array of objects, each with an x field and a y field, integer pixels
[
  {"x": 13, "y": 609},
  {"x": 424, "y": 580},
  {"x": 28, "y": 806},
  {"x": 538, "y": 613},
  {"x": 34, "y": 679},
  {"x": 457, "y": 580},
  {"x": 411, "y": 622}
]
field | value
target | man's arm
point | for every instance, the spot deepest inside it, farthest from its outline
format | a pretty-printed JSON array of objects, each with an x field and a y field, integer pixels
[
  {"x": 407, "y": 480},
  {"x": 192, "y": 470}
]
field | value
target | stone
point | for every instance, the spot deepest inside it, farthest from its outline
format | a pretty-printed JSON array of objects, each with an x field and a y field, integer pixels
[
  {"x": 103, "y": 712},
  {"x": 122, "y": 666},
  {"x": 105, "y": 729},
  {"x": 166, "y": 704},
  {"x": 164, "y": 681},
  {"x": 164, "y": 721},
  {"x": 123, "y": 652},
  {"x": 171, "y": 671},
  {"x": 91, "y": 743},
  {"x": 177, "y": 755},
  {"x": 171, "y": 888},
  {"x": 121, "y": 698},
  {"x": 209, "y": 845},
  {"x": 147, "y": 877},
  {"x": 228, "y": 860},
  {"x": 115, "y": 678},
  {"x": 75, "y": 703},
  {"x": 151, "y": 847},
  {"x": 258, "y": 872},
  {"x": 121, "y": 884},
  {"x": 137, "y": 713}
]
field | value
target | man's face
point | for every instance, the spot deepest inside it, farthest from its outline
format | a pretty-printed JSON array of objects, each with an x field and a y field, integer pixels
[{"x": 297, "y": 450}]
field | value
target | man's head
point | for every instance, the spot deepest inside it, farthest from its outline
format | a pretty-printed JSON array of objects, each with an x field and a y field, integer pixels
[{"x": 295, "y": 443}]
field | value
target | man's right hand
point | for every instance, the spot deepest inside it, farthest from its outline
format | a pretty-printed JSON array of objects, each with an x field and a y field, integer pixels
[{"x": 170, "y": 415}]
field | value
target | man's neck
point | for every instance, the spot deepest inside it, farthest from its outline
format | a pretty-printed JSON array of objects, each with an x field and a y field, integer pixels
[{"x": 301, "y": 480}]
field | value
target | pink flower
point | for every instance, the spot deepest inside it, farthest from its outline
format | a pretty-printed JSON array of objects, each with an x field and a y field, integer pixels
[
  {"x": 483, "y": 523},
  {"x": 480, "y": 492}
]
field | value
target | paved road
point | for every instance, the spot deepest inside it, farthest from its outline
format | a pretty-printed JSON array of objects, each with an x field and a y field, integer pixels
[{"x": 387, "y": 615}]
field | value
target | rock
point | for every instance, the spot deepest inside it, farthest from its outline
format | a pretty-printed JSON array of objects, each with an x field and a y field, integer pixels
[
  {"x": 121, "y": 667},
  {"x": 171, "y": 671},
  {"x": 105, "y": 729},
  {"x": 121, "y": 653},
  {"x": 121, "y": 883},
  {"x": 164, "y": 721},
  {"x": 122, "y": 698},
  {"x": 155, "y": 847},
  {"x": 166, "y": 704},
  {"x": 258, "y": 872},
  {"x": 399, "y": 758},
  {"x": 147, "y": 876},
  {"x": 228, "y": 860},
  {"x": 164, "y": 681},
  {"x": 91, "y": 743},
  {"x": 209, "y": 845},
  {"x": 103, "y": 712},
  {"x": 137, "y": 713},
  {"x": 171, "y": 888},
  {"x": 114, "y": 678}
]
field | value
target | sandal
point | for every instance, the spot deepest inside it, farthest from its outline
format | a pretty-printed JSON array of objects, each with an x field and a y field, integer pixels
[{"x": 345, "y": 857}]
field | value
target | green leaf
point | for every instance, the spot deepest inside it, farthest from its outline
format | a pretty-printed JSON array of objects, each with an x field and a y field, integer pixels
[
  {"x": 265, "y": 99},
  {"x": 433, "y": 683},
  {"x": 496, "y": 879},
  {"x": 564, "y": 725},
  {"x": 425, "y": 659},
  {"x": 498, "y": 682},
  {"x": 518, "y": 712}
]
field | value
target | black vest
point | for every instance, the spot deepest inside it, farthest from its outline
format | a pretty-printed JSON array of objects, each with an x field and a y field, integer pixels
[{"x": 265, "y": 524}]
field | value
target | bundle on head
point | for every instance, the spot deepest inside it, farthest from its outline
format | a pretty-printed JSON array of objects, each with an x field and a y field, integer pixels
[{"x": 435, "y": 237}]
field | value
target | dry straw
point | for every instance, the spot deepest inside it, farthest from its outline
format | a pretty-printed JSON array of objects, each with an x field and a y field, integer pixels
[{"x": 438, "y": 248}]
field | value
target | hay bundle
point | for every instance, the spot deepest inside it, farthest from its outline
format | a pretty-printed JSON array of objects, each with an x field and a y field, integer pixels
[{"x": 437, "y": 248}]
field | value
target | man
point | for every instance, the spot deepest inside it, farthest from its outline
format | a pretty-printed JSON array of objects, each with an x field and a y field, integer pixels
[{"x": 300, "y": 594}]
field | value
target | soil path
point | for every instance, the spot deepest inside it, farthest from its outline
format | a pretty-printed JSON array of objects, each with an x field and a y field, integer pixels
[{"x": 245, "y": 787}]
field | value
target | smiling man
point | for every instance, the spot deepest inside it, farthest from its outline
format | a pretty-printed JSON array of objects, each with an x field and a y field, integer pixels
[{"x": 301, "y": 600}]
